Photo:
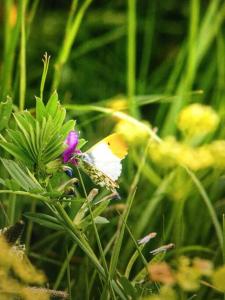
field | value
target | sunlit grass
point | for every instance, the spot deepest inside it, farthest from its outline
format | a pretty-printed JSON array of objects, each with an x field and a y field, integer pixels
[{"x": 135, "y": 68}]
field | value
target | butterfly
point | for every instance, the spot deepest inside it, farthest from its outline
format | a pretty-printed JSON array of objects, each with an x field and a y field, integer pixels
[
  {"x": 12, "y": 235},
  {"x": 102, "y": 162}
]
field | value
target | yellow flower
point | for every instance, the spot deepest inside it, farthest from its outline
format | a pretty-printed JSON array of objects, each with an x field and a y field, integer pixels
[
  {"x": 196, "y": 158},
  {"x": 218, "y": 278},
  {"x": 203, "y": 266},
  {"x": 132, "y": 133},
  {"x": 171, "y": 153},
  {"x": 197, "y": 119},
  {"x": 165, "y": 153},
  {"x": 118, "y": 103},
  {"x": 188, "y": 278},
  {"x": 217, "y": 149},
  {"x": 16, "y": 283},
  {"x": 165, "y": 293}
]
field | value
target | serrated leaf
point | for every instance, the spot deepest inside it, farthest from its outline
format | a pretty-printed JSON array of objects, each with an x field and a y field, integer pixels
[
  {"x": 24, "y": 126},
  {"x": 18, "y": 139},
  {"x": 10, "y": 184},
  {"x": 16, "y": 152},
  {"x": 67, "y": 127},
  {"x": 59, "y": 116},
  {"x": 52, "y": 105},
  {"x": 22, "y": 176},
  {"x": 41, "y": 140},
  {"x": 40, "y": 109}
]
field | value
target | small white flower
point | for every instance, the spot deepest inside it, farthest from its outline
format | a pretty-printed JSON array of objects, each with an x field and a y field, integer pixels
[
  {"x": 147, "y": 238},
  {"x": 162, "y": 248}
]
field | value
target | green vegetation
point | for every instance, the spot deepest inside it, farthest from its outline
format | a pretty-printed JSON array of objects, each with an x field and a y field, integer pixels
[{"x": 153, "y": 71}]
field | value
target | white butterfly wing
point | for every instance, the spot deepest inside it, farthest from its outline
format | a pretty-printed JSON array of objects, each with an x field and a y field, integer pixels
[{"x": 105, "y": 161}]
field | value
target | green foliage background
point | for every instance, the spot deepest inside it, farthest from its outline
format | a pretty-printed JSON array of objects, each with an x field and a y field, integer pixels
[{"x": 159, "y": 56}]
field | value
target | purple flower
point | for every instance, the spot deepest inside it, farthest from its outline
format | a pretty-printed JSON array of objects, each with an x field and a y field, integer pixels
[{"x": 72, "y": 142}]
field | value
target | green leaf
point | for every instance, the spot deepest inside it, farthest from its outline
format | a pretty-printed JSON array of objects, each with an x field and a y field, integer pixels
[
  {"x": 101, "y": 220},
  {"x": 23, "y": 125},
  {"x": 10, "y": 184},
  {"x": 84, "y": 222},
  {"x": 2, "y": 181},
  {"x": 81, "y": 143},
  {"x": 67, "y": 127},
  {"x": 40, "y": 109},
  {"x": 22, "y": 176},
  {"x": 128, "y": 287},
  {"x": 143, "y": 273},
  {"x": 44, "y": 220},
  {"x": 21, "y": 143},
  {"x": 15, "y": 151},
  {"x": 5, "y": 113},
  {"x": 52, "y": 105},
  {"x": 59, "y": 116},
  {"x": 38, "y": 141}
]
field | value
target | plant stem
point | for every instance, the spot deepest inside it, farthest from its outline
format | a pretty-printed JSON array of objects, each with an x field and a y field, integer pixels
[
  {"x": 97, "y": 238},
  {"x": 23, "y": 58},
  {"x": 70, "y": 35},
  {"x": 84, "y": 245},
  {"x": 131, "y": 56},
  {"x": 208, "y": 204}
]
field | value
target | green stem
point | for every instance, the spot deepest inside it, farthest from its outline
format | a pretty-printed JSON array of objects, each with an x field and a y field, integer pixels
[
  {"x": 97, "y": 238},
  {"x": 63, "y": 267},
  {"x": 192, "y": 43},
  {"x": 208, "y": 204},
  {"x": 137, "y": 253},
  {"x": 84, "y": 245},
  {"x": 68, "y": 274},
  {"x": 224, "y": 238},
  {"x": 27, "y": 194},
  {"x": 72, "y": 28},
  {"x": 224, "y": 243},
  {"x": 23, "y": 58},
  {"x": 131, "y": 56}
]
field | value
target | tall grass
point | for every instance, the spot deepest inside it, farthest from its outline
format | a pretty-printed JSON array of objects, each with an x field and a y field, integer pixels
[{"x": 157, "y": 59}]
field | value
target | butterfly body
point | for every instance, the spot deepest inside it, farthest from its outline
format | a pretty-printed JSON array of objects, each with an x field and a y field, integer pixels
[{"x": 102, "y": 162}]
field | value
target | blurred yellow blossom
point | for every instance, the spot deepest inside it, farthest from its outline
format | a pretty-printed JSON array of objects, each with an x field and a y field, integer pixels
[
  {"x": 188, "y": 278},
  {"x": 133, "y": 133},
  {"x": 203, "y": 266},
  {"x": 166, "y": 293},
  {"x": 197, "y": 119},
  {"x": 218, "y": 278},
  {"x": 161, "y": 272},
  {"x": 217, "y": 150},
  {"x": 165, "y": 153},
  {"x": 118, "y": 103},
  {"x": 13, "y": 15},
  {"x": 171, "y": 152},
  {"x": 186, "y": 274},
  {"x": 24, "y": 272}
]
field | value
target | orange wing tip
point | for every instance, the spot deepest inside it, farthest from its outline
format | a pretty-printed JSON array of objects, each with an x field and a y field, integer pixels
[{"x": 117, "y": 144}]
